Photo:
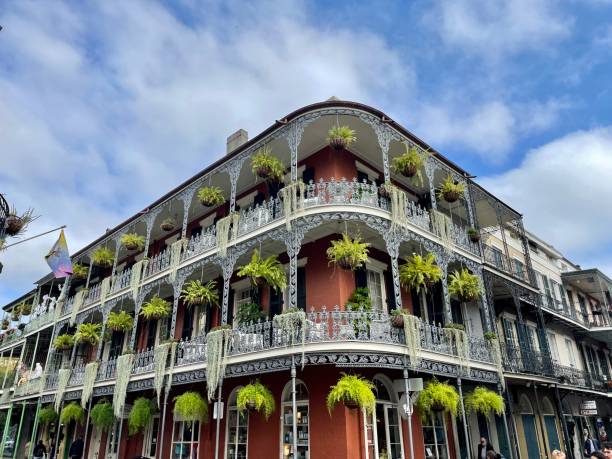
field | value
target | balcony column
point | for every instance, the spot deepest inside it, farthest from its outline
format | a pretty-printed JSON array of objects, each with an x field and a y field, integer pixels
[
  {"x": 187, "y": 196},
  {"x": 464, "y": 417},
  {"x": 227, "y": 267},
  {"x": 137, "y": 306},
  {"x": 566, "y": 435},
  {"x": 18, "y": 437},
  {"x": 89, "y": 270},
  {"x": 294, "y": 137},
  {"x": 35, "y": 350},
  {"x": 498, "y": 214},
  {"x": 117, "y": 239},
  {"x": 233, "y": 168},
  {"x": 392, "y": 241},
  {"x": 430, "y": 169},
  {"x": 177, "y": 286},
  {"x": 149, "y": 219},
  {"x": 6, "y": 373},
  {"x": 506, "y": 429},
  {"x": 7, "y": 425},
  {"x": 469, "y": 204},
  {"x": 35, "y": 429},
  {"x": 485, "y": 312},
  {"x": 443, "y": 259}
]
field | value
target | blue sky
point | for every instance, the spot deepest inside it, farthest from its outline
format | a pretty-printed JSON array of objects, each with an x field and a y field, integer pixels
[{"x": 106, "y": 105}]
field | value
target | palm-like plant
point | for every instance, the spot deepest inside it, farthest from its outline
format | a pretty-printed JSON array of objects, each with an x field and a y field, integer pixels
[
  {"x": 120, "y": 321},
  {"x": 420, "y": 272},
  {"x": 256, "y": 396},
  {"x": 352, "y": 390},
  {"x": 249, "y": 313},
  {"x": 196, "y": 293},
  {"x": 266, "y": 271},
  {"x": 464, "y": 285},
  {"x": 16, "y": 224},
  {"x": 210, "y": 196},
  {"x": 88, "y": 333},
  {"x": 156, "y": 308},
  {"x": 340, "y": 137},
  {"x": 132, "y": 241},
  {"x": 47, "y": 415},
  {"x": 348, "y": 253}
]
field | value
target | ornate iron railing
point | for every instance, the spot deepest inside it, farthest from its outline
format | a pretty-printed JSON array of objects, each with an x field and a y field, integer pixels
[{"x": 522, "y": 360}]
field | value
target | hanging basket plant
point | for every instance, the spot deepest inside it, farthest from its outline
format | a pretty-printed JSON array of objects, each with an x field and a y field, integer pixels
[
  {"x": 132, "y": 241},
  {"x": 437, "y": 397},
  {"x": 140, "y": 415},
  {"x": 64, "y": 342},
  {"x": 348, "y": 253},
  {"x": 156, "y": 308},
  {"x": 266, "y": 271},
  {"x": 16, "y": 314},
  {"x": 450, "y": 190},
  {"x": 211, "y": 196},
  {"x": 410, "y": 162},
  {"x": 340, "y": 137},
  {"x": 463, "y": 285},
  {"x": 88, "y": 333},
  {"x": 5, "y": 324},
  {"x": 120, "y": 321},
  {"x": 190, "y": 406},
  {"x": 103, "y": 257},
  {"x": 72, "y": 412},
  {"x": 420, "y": 272},
  {"x": 266, "y": 166},
  {"x": 473, "y": 234},
  {"x": 79, "y": 271},
  {"x": 168, "y": 224},
  {"x": 256, "y": 397},
  {"x": 26, "y": 309},
  {"x": 354, "y": 391},
  {"x": 397, "y": 317},
  {"x": 102, "y": 415},
  {"x": 16, "y": 224},
  {"x": 195, "y": 293},
  {"x": 47, "y": 415},
  {"x": 484, "y": 401}
]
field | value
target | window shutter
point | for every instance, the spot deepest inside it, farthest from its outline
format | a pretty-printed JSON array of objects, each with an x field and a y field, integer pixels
[
  {"x": 390, "y": 291},
  {"x": 187, "y": 323},
  {"x": 230, "y": 307},
  {"x": 308, "y": 175},
  {"x": 259, "y": 198},
  {"x": 361, "y": 277},
  {"x": 301, "y": 288},
  {"x": 276, "y": 302},
  {"x": 456, "y": 312},
  {"x": 416, "y": 303},
  {"x": 208, "y": 324}
]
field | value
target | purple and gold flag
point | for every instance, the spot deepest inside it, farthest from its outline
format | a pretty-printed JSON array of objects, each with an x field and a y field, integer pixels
[{"x": 58, "y": 258}]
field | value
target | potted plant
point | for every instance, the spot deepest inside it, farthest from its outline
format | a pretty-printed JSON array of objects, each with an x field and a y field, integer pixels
[
  {"x": 72, "y": 412},
  {"x": 256, "y": 397},
  {"x": 420, "y": 272},
  {"x": 156, "y": 308},
  {"x": 64, "y": 342},
  {"x": 409, "y": 163},
  {"x": 397, "y": 317},
  {"x": 484, "y": 401},
  {"x": 79, "y": 271},
  {"x": 267, "y": 166},
  {"x": 168, "y": 224},
  {"x": 354, "y": 391},
  {"x": 450, "y": 190},
  {"x": 15, "y": 224},
  {"x": 47, "y": 415},
  {"x": 437, "y": 397},
  {"x": 490, "y": 336},
  {"x": 348, "y": 253},
  {"x": 359, "y": 300},
  {"x": 103, "y": 257},
  {"x": 249, "y": 313},
  {"x": 102, "y": 415},
  {"x": 454, "y": 326},
  {"x": 266, "y": 271},
  {"x": 132, "y": 241},
  {"x": 340, "y": 137},
  {"x": 195, "y": 293},
  {"x": 473, "y": 234},
  {"x": 5, "y": 324},
  {"x": 190, "y": 406},
  {"x": 26, "y": 309},
  {"x": 464, "y": 285},
  {"x": 120, "y": 321},
  {"x": 16, "y": 313},
  {"x": 211, "y": 196},
  {"x": 88, "y": 333},
  {"x": 140, "y": 415}
]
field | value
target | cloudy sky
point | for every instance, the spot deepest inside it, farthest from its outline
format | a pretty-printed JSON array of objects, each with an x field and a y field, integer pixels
[{"x": 105, "y": 106}]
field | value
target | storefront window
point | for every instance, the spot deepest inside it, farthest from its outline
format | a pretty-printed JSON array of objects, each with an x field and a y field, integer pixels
[
  {"x": 434, "y": 435},
  {"x": 384, "y": 440},
  {"x": 185, "y": 438},
  {"x": 302, "y": 421}
]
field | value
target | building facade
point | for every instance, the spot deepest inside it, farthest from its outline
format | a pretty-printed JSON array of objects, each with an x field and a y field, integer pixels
[{"x": 549, "y": 320}]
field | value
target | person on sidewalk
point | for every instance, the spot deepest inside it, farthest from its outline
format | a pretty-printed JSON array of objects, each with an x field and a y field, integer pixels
[
  {"x": 76, "y": 449},
  {"x": 39, "y": 450},
  {"x": 483, "y": 448},
  {"x": 591, "y": 445}
]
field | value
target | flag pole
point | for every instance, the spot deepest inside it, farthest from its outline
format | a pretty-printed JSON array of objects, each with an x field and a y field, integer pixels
[{"x": 34, "y": 237}]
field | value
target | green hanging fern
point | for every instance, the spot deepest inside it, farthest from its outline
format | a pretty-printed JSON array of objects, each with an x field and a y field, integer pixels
[
  {"x": 266, "y": 271},
  {"x": 420, "y": 272},
  {"x": 409, "y": 163},
  {"x": 140, "y": 415},
  {"x": 79, "y": 271},
  {"x": 156, "y": 308},
  {"x": 102, "y": 415},
  {"x": 120, "y": 321},
  {"x": 340, "y": 136},
  {"x": 195, "y": 293},
  {"x": 64, "y": 342},
  {"x": 190, "y": 406},
  {"x": 211, "y": 196},
  {"x": 437, "y": 396},
  {"x": 450, "y": 190},
  {"x": 267, "y": 166},
  {"x": 354, "y": 391},
  {"x": 464, "y": 285},
  {"x": 484, "y": 401},
  {"x": 26, "y": 309},
  {"x": 47, "y": 415},
  {"x": 103, "y": 257},
  {"x": 348, "y": 253},
  {"x": 256, "y": 396},
  {"x": 489, "y": 336},
  {"x": 88, "y": 333},
  {"x": 72, "y": 412},
  {"x": 132, "y": 241}
]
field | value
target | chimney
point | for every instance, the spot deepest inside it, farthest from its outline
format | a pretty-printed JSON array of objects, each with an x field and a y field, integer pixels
[{"x": 240, "y": 137}]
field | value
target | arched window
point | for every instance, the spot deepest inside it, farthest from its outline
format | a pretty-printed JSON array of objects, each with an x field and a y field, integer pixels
[
  {"x": 237, "y": 431},
  {"x": 383, "y": 426},
  {"x": 302, "y": 421},
  {"x": 525, "y": 406}
]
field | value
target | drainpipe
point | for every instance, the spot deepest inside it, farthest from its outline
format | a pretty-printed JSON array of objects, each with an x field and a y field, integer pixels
[
  {"x": 294, "y": 406},
  {"x": 465, "y": 429},
  {"x": 163, "y": 425},
  {"x": 409, "y": 405},
  {"x": 219, "y": 413},
  {"x": 569, "y": 451},
  {"x": 510, "y": 449},
  {"x": 535, "y": 393}
]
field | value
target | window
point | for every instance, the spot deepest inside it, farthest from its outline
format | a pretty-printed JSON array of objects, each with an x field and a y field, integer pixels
[
  {"x": 552, "y": 343},
  {"x": 376, "y": 287},
  {"x": 497, "y": 257},
  {"x": 237, "y": 432},
  {"x": 243, "y": 294},
  {"x": 383, "y": 426},
  {"x": 112, "y": 443},
  {"x": 149, "y": 448},
  {"x": 532, "y": 336},
  {"x": 185, "y": 438},
  {"x": 434, "y": 436},
  {"x": 570, "y": 352},
  {"x": 519, "y": 267},
  {"x": 302, "y": 421}
]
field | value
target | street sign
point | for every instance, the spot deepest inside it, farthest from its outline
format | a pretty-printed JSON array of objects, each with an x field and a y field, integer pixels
[{"x": 588, "y": 408}]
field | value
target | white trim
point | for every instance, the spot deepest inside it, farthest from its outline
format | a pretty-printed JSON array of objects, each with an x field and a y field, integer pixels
[
  {"x": 372, "y": 174},
  {"x": 241, "y": 284},
  {"x": 206, "y": 222},
  {"x": 247, "y": 199},
  {"x": 376, "y": 265}
]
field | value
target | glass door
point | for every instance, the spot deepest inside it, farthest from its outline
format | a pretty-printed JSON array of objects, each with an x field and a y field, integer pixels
[
  {"x": 149, "y": 448},
  {"x": 237, "y": 433},
  {"x": 434, "y": 436}
]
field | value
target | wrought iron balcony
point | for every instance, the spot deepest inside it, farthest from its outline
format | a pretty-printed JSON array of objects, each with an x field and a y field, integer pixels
[
  {"x": 580, "y": 378},
  {"x": 500, "y": 261},
  {"x": 522, "y": 360}
]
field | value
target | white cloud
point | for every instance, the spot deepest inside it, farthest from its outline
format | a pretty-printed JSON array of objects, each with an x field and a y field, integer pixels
[{"x": 563, "y": 188}]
